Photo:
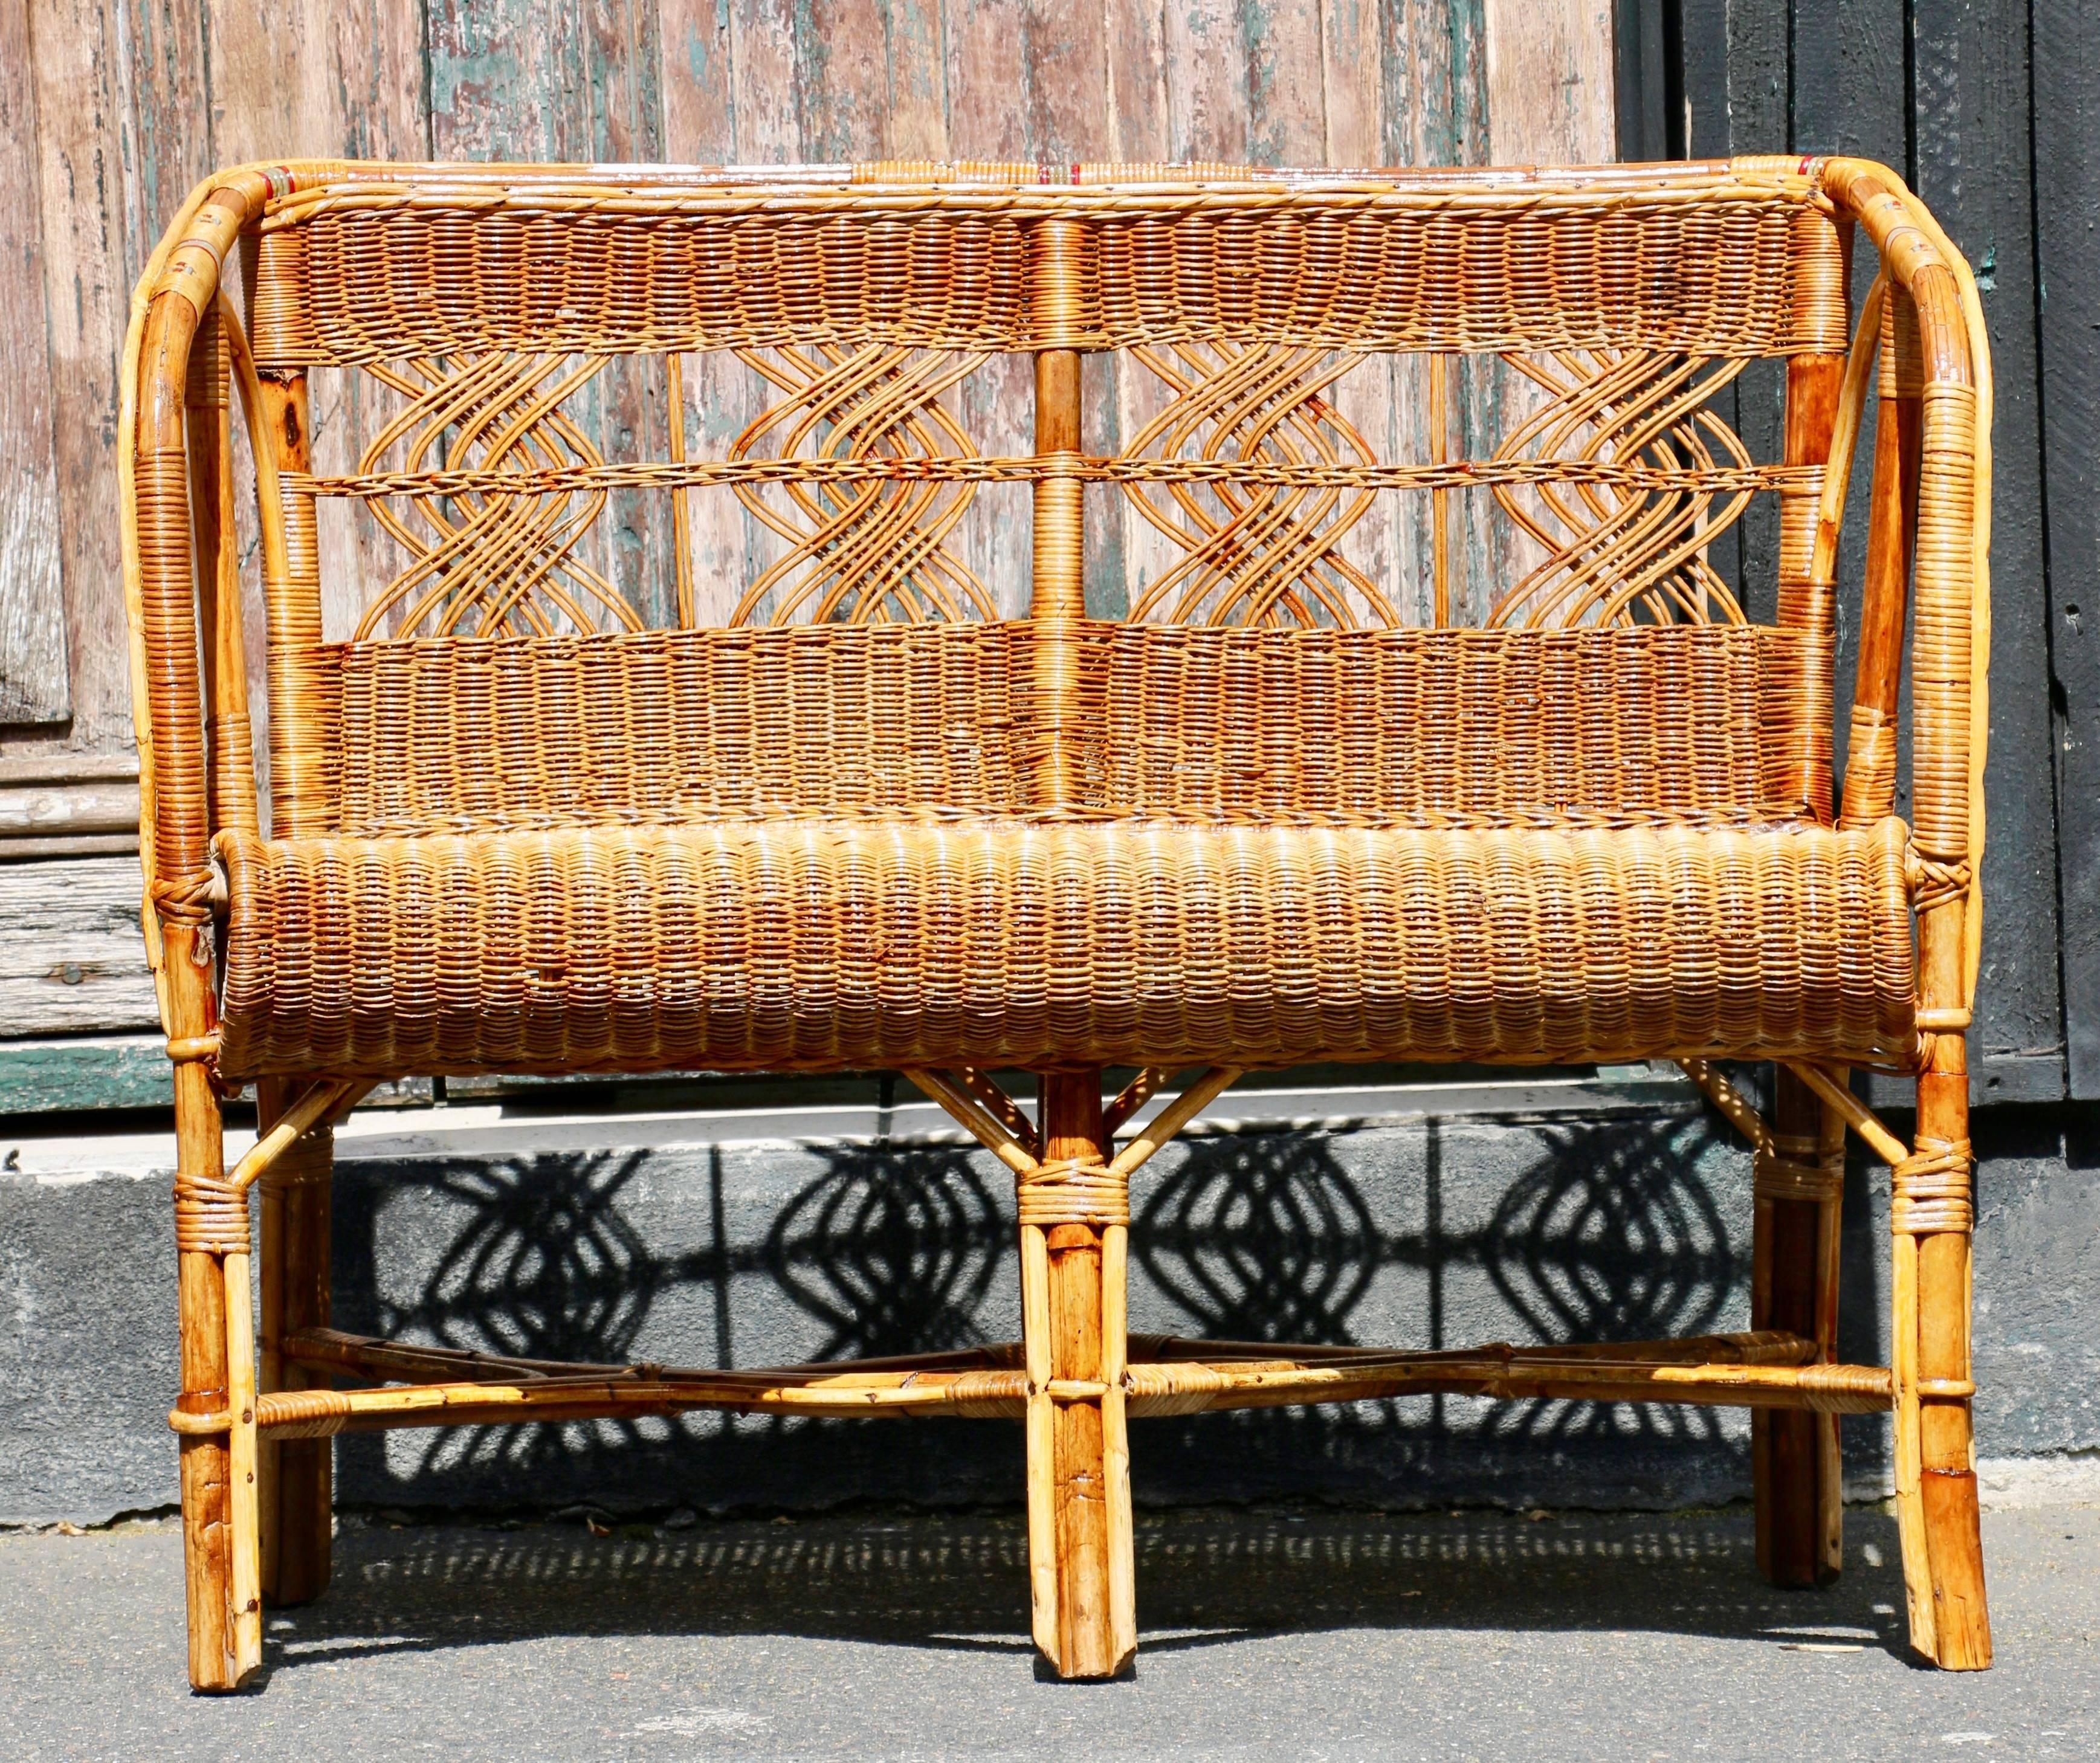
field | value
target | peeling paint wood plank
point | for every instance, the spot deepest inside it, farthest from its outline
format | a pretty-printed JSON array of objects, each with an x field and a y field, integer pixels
[
  {"x": 1207, "y": 85},
  {"x": 273, "y": 97},
  {"x": 1350, "y": 65},
  {"x": 33, "y": 685},
  {"x": 1550, "y": 102},
  {"x": 917, "y": 127},
  {"x": 987, "y": 74},
  {"x": 1367, "y": 398},
  {"x": 765, "y": 76},
  {"x": 696, "y": 76},
  {"x": 696, "y": 79},
  {"x": 844, "y": 51},
  {"x": 766, "y": 83},
  {"x": 1130, "y": 553},
  {"x": 1068, "y": 115},
  {"x": 80, "y": 174},
  {"x": 1285, "y": 62},
  {"x": 1137, "y": 81},
  {"x": 621, "y": 66},
  {"x": 1549, "y": 81},
  {"x": 71, "y": 957}
]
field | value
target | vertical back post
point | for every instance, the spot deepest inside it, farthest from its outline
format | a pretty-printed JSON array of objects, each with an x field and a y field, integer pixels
[{"x": 1058, "y": 600}]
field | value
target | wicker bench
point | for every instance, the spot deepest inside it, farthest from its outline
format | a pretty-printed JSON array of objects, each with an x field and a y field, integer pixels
[{"x": 1406, "y": 718}]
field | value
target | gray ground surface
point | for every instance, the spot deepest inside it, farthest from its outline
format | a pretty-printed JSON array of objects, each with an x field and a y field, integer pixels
[{"x": 1269, "y": 1632}]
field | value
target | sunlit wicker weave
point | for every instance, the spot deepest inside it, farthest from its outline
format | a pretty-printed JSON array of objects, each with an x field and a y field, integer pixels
[{"x": 1533, "y": 791}]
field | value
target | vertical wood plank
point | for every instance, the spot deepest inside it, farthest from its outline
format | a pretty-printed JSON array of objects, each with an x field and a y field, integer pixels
[
  {"x": 80, "y": 172},
  {"x": 1207, "y": 84},
  {"x": 843, "y": 49},
  {"x": 1137, "y": 80},
  {"x": 1973, "y": 171},
  {"x": 986, "y": 77},
  {"x": 1550, "y": 97},
  {"x": 1549, "y": 101},
  {"x": 1068, "y": 115},
  {"x": 2067, "y": 172},
  {"x": 1285, "y": 82},
  {"x": 917, "y": 125},
  {"x": 1352, "y": 63},
  {"x": 33, "y": 686},
  {"x": 697, "y": 76},
  {"x": 1123, "y": 552},
  {"x": 697, "y": 79},
  {"x": 766, "y": 83}
]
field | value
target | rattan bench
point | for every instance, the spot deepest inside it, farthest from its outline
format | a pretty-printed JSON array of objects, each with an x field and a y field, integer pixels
[{"x": 1371, "y": 695}]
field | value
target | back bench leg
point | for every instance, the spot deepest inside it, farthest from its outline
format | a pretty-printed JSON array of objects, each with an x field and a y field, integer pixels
[
  {"x": 297, "y": 1502},
  {"x": 1074, "y": 1245},
  {"x": 1799, "y": 1196}
]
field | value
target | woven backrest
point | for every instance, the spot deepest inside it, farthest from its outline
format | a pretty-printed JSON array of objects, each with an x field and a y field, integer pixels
[{"x": 1333, "y": 408}]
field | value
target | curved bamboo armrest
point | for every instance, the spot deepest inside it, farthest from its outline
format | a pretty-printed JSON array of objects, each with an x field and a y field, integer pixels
[{"x": 1951, "y": 649}]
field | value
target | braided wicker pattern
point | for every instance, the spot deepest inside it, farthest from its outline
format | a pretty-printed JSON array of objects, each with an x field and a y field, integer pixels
[
  {"x": 826, "y": 943},
  {"x": 1688, "y": 725},
  {"x": 368, "y": 273}
]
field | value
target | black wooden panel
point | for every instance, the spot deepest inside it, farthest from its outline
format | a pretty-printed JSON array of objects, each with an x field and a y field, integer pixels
[
  {"x": 1939, "y": 90},
  {"x": 1644, "y": 80},
  {"x": 2066, "y": 147},
  {"x": 1970, "y": 67}
]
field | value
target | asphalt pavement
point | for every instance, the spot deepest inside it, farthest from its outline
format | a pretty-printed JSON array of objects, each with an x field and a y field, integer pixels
[{"x": 1269, "y": 1632}]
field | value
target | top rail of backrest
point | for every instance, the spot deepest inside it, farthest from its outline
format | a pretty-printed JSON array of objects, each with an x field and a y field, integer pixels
[{"x": 371, "y": 262}]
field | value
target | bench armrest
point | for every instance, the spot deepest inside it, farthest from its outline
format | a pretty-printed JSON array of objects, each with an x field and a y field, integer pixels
[{"x": 1951, "y": 652}]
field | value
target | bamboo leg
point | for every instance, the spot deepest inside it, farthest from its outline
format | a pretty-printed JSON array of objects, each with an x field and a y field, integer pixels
[
  {"x": 1943, "y": 1550},
  {"x": 1080, "y": 1546},
  {"x": 1794, "y": 1452},
  {"x": 297, "y": 1473},
  {"x": 1830, "y": 1477},
  {"x": 207, "y": 1470}
]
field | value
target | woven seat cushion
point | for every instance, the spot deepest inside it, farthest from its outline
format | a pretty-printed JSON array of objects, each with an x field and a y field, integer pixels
[{"x": 815, "y": 943}]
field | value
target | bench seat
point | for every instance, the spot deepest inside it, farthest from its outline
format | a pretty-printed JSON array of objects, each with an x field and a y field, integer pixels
[{"x": 835, "y": 942}]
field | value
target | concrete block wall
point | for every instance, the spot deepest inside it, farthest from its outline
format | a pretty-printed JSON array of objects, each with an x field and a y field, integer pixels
[{"x": 712, "y": 1248}]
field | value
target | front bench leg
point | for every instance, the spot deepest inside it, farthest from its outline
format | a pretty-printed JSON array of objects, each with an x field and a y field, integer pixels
[{"x": 1074, "y": 1234}]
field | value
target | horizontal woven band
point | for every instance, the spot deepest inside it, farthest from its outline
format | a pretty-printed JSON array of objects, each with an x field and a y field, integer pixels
[
  {"x": 1069, "y": 1191},
  {"x": 1467, "y": 473},
  {"x": 211, "y": 1216},
  {"x": 1931, "y": 1190},
  {"x": 1779, "y": 1178}
]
